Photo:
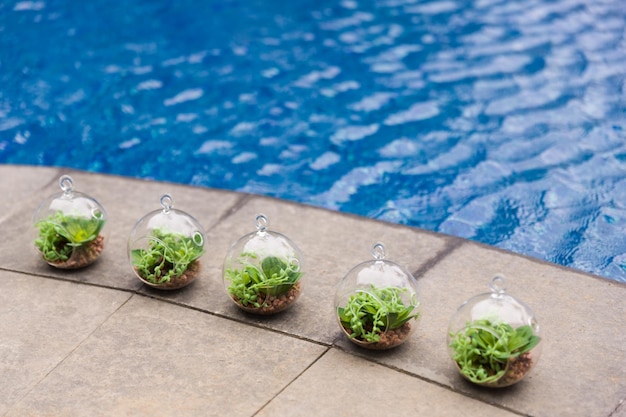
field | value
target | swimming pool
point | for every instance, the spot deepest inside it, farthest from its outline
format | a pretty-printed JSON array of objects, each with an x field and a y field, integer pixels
[{"x": 497, "y": 121}]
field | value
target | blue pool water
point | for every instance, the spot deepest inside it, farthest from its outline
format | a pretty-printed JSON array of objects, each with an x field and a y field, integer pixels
[{"x": 496, "y": 120}]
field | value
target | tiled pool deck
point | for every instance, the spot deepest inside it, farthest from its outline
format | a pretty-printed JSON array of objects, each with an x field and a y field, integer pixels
[{"x": 97, "y": 342}]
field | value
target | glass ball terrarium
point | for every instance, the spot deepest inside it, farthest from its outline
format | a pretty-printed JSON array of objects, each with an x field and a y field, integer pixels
[
  {"x": 263, "y": 271},
  {"x": 493, "y": 338},
  {"x": 69, "y": 227},
  {"x": 377, "y": 303},
  {"x": 166, "y": 246}
]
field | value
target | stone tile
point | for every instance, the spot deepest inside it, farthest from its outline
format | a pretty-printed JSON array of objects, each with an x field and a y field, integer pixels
[
  {"x": 125, "y": 200},
  {"x": 155, "y": 358},
  {"x": 581, "y": 319},
  {"x": 343, "y": 385},
  {"x": 41, "y": 322},
  {"x": 332, "y": 243},
  {"x": 20, "y": 186},
  {"x": 581, "y": 316}
]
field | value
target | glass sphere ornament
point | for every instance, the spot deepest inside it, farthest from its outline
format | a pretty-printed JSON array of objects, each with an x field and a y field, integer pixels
[
  {"x": 69, "y": 227},
  {"x": 263, "y": 271},
  {"x": 165, "y": 247},
  {"x": 494, "y": 338},
  {"x": 377, "y": 303}
]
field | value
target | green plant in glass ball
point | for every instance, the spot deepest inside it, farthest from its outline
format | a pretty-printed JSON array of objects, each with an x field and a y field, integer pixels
[
  {"x": 170, "y": 259},
  {"x": 488, "y": 352},
  {"x": 61, "y": 237},
  {"x": 376, "y": 315},
  {"x": 270, "y": 283}
]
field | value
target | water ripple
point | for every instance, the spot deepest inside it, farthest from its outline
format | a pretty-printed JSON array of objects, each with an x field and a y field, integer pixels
[{"x": 418, "y": 111}]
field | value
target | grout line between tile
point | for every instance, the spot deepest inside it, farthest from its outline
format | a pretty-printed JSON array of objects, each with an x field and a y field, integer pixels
[
  {"x": 292, "y": 381},
  {"x": 239, "y": 203},
  {"x": 138, "y": 292},
  {"x": 233, "y": 319},
  {"x": 72, "y": 281},
  {"x": 430, "y": 381},
  {"x": 451, "y": 245},
  {"x": 621, "y": 406},
  {"x": 70, "y": 353}
]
